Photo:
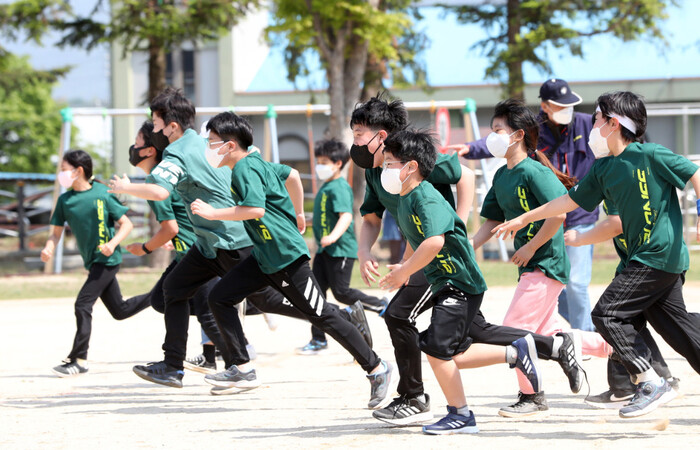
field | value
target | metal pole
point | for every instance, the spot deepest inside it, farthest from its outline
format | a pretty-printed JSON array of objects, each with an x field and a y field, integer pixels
[
  {"x": 67, "y": 115},
  {"x": 272, "y": 117},
  {"x": 21, "y": 217}
]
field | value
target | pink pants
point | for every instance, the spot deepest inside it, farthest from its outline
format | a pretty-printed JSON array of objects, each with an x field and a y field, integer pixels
[{"x": 534, "y": 308}]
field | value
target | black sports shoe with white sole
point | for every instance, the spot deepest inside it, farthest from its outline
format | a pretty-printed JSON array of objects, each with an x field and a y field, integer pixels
[
  {"x": 405, "y": 411},
  {"x": 160, "y": 373}
]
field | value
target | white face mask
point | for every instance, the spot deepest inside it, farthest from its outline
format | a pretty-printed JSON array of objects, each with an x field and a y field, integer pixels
[
  {"x": 213, "y": 157},
  {"x": 66, "y": 179},
  {"x": 324, "y": 171},
  {"x": 391, "y": 180},
  {"x": 598, "y": 143},
  {"x": 563, "y": 116},
  {"x": 498, "y": 144}
]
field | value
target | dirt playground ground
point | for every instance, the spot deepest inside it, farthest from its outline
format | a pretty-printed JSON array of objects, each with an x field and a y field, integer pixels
[{"x": 305, "y": 401}]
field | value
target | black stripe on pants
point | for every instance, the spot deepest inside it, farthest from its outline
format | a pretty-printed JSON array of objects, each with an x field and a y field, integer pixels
[
  {"x": 297, "y": 284},
  {"x": 641, "y": 294},
  {"x": 101, "y": 282}
]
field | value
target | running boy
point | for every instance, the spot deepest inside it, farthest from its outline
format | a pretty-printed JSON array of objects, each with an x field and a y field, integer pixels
[
  {"x": 641, "y": 180},
  {"x": 439, "y": 245},
  {"x": 280, "y": 258},
  {"x": 334, "y": 230}
]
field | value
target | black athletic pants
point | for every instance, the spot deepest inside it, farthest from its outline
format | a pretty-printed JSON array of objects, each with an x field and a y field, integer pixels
[
  {"x": 640, "y": 295},
  {"x": 334, "y": 273},
  {"x": 101, "y": 282},
  {"x": 297, "y": 283},
  {"x": 400, "y": 316}
]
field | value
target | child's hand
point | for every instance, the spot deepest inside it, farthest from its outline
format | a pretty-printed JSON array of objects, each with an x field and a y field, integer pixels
[
  {"x": 509, "y": 228},
  {"x": 326, "y": 241},
  {"x": 368, "y": 267},
  {"x": 461, "y": 149},
  {"x": 301, "y": 223},
  {"x": 46, "y": 254},
  {"x": 106, "y": 249},
  {"x": 119, "y": 185},
  {"x": 395, "y": 279},
  {"x": 523, "y": 255},
  {"x": 570, "y": 238},
  {"x": 203, "y": 209},
  {"x": 135, "y": 249}
]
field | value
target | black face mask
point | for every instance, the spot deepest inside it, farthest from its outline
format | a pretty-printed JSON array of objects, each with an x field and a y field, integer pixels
[
  {"x": 159, "y": 140},
  {"x": 134, "y": 157},
  {"x": 361, "y": 155}
]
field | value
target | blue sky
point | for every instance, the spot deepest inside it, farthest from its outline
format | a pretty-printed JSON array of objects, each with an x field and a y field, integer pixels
[{"x": 449, "y": 59}]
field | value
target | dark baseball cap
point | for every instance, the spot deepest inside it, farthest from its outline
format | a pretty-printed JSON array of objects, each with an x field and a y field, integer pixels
[{"x": 558, "y": 92}]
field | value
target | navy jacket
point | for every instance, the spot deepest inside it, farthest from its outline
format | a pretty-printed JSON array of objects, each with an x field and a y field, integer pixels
[{"x": 569, "y": 152}]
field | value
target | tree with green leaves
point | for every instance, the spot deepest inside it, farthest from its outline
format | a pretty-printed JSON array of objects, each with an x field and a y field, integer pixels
[{"x": 521, "y": 31}]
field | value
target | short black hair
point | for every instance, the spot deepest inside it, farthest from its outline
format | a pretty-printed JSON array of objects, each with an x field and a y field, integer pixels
[
  {"x": 519, "y": 117},
  {"x": 414, "y": 145},
  {"x": 232, "y": 127},
  {"x": 628, "y": 104},
  {"x": 378, "y": 113},
  {"x": 172, "y": 106},
  {"x": 333, "y": 149},
  {"x": 146, "y": 131}
]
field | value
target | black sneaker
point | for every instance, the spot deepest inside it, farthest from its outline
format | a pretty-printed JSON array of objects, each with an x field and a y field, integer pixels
[
  {"x": 405, "y": 411},
  {"x": 527, "y": 405},
  {"x": 161, "y": 373},
  {"x": 69, "y": 368},
  {"x": 569, "y": 359},
  {"x": 379, "y": 384},
  {"x": 358, "y": 318},
  {"x": 453, "y": 423},
  {"x": 527, "y": 361},
  {"x": 608, "y": 400},
  {"x": 233, "y": 378},
  {"x": 200, "y": 364},
  {"x": 648, "y": 396}
]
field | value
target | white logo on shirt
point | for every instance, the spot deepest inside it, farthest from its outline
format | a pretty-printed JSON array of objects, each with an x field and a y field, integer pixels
[{"x": 168, "y": 171}]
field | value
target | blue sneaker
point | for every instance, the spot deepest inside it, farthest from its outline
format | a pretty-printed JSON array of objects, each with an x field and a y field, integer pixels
[
  {"x": 648, "y": 396},
  {"x": 314, "y": 347},
  {"x": 528, "y": 361},
  {"x": 379, "y": 386},
  {"x": 453, "y": 423}
]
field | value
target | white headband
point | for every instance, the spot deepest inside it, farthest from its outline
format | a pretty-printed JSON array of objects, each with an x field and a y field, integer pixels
[{"x": 624, "y": 121}]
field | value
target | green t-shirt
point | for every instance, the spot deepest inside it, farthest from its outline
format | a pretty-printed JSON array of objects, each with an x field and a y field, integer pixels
[
  {"x": 448, "y": 171},
  {"x": 333, "y": 198},
  {"x": 423, "y": 213},
  {"x": 619, "y": 240},
  {"x": 515, "y": 191},
  {"x": 91, "y": 215},
  {"x": 642, "y": 181},
  {"x": 276, "y": 238},
  {"x": 173, "y": 208},
  {"x": 185, "y": 170}
]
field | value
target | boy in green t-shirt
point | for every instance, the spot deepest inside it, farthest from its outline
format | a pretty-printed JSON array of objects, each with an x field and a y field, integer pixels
[
  {"x": 438, "y": 244},
  {"x": 641, "y": 180},
  {"x": 334, "y": 230},
  {"x": 280, "y": 258}
]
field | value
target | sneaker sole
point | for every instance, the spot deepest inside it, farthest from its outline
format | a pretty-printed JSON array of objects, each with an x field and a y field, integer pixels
[
  {"x": 196, "y": 368},
  {"x": 463, "y": 430},
  {"x": 667, "y": 397},
  {"x": 608, "y": 405},
  {"x": 228, "y": 391},
  {"x": 169, "y": 383},
  {"x": 578, "y": 356},
  {"x": 244, "y": 384},
  {"x": 310, "y": 353},
  {"x": 416, "y": 419},
  {"x": 67, "y": 375},
  {"x": 514, "y": 415}
]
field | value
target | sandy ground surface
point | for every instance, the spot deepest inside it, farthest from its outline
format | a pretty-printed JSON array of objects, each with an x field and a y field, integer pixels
[{"x": 305, "y": 401}]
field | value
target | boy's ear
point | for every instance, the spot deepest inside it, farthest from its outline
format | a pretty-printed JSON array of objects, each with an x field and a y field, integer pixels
[{"x": 234, "y": 145}]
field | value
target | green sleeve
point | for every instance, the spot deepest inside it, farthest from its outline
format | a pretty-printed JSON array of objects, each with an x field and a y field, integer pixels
[
  {"x": 490, "y": 209},
  {"x": 162, "y": 210},
  {"x": 282, "y": 171},
  {"x": 675, "y": 169},
  {"x": 435, "y": 216},
  {"x": 115, "y": 208},
  {"x": 546, "y": 187},
  {"x": 250, "y": 186},
  {"x": 58, "y": 218},
  {"x": 610, "y": 208},
  {"x": 447, "y": 170},
  {"x": 371, "y": 203},
  {"x": 342, "y": 199},
  {"x": 169, "y": 172},
  {"x": 588, "y": 193}
]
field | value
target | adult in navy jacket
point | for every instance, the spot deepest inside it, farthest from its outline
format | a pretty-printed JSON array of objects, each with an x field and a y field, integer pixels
[{"x": 564, "y": 139}]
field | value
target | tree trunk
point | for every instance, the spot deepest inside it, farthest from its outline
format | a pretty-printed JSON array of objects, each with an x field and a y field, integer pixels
[
  {"x": 156, "y": 69},
  {"x": 516, "y": 84}
]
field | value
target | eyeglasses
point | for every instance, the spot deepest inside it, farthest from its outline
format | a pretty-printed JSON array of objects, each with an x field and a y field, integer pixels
[{"x": 388, "y": 163}]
